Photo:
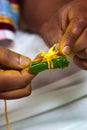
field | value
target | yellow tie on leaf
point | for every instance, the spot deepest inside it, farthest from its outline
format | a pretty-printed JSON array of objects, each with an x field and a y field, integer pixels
[
  {"x": 48, "y": 60},
  {"x": 47, "y": 56}
]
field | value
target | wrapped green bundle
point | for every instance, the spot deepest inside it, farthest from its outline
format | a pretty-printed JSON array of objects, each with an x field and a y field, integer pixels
[
  {"x": 48, "y": 60},
  {"x": 60, "y": 62}
]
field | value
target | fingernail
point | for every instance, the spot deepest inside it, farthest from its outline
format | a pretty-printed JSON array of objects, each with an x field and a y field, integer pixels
[
  {"x": 24, "y": 61},
  {"x": 66, "y": 50},
  {"x": 56, "y": 46}
]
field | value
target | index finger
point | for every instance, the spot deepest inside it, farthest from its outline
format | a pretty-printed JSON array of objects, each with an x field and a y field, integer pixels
[{"x": 71, "y": 34}]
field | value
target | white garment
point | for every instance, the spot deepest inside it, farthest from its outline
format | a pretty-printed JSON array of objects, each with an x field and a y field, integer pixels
[{"x": 58, "y": 100}]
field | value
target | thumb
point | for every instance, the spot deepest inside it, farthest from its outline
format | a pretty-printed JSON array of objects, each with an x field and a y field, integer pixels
[{"x": 13, "y": 60}]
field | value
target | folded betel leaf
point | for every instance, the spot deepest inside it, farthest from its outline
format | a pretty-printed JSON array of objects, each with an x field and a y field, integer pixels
[
  {"x": 37, "y": 67},
  {"x": 60, "y": 62},
  {"x": 48, "y": 60}
]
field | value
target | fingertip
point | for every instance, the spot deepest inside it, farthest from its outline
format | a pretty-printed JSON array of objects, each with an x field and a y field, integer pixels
[
  {"x": 57, "y": 46},
  {"x": 24, "y": 61},
  {"x": 65, "y": 50},
  {"x": 65, "y": 47}
]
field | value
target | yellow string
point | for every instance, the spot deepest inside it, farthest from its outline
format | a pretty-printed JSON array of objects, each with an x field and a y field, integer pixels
[
  {"x": 6, "y": 115},
  {"x": 47, "y": 56}
]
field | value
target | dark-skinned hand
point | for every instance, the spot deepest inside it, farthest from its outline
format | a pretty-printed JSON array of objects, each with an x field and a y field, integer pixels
[
  {"x": 15, "y": 79},
  {"x": 60, "y": 21}
]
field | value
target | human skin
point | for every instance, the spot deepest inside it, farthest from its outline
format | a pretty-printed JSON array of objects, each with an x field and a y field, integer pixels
[
  {"x": 15, "y": 79},
  {"x": 60, "y": 21}
]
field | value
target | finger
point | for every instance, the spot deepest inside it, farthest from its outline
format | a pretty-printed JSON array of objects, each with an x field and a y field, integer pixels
[
  {"x": 16, "y": 94},
  {"x": 82, "y": 63},
  {"x": 12, "y": 79},
  {"x": 51, "y": 32},
  {"x": 82, "y": 54},
  {"x": 63, "y": 19},
  {"x": 81, "y": 43},
  {"x": 12, "y": 59},
  {"x": 71, "y": 34}
]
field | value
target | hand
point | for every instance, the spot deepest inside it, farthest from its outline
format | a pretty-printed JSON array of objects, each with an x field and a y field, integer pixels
[
  {"x": 15, "y": 79},
  {"x": 74, "y": 23},
  {"x": 69, "y": 27},
  {"x": 61, "y": 21}
]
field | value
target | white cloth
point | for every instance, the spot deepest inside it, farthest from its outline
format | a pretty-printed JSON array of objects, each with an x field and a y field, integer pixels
[{"x": 58, "y": 100}]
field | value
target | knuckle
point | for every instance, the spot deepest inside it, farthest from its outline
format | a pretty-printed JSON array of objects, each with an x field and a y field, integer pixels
[
  {"x": 71, "y": 36},
  {"x": 78, "y": 26},
  {"x": 81, "y": 22}
]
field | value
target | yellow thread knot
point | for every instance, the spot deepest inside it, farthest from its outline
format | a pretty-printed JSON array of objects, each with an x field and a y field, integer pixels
[{"x": 49, "y": 55}]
